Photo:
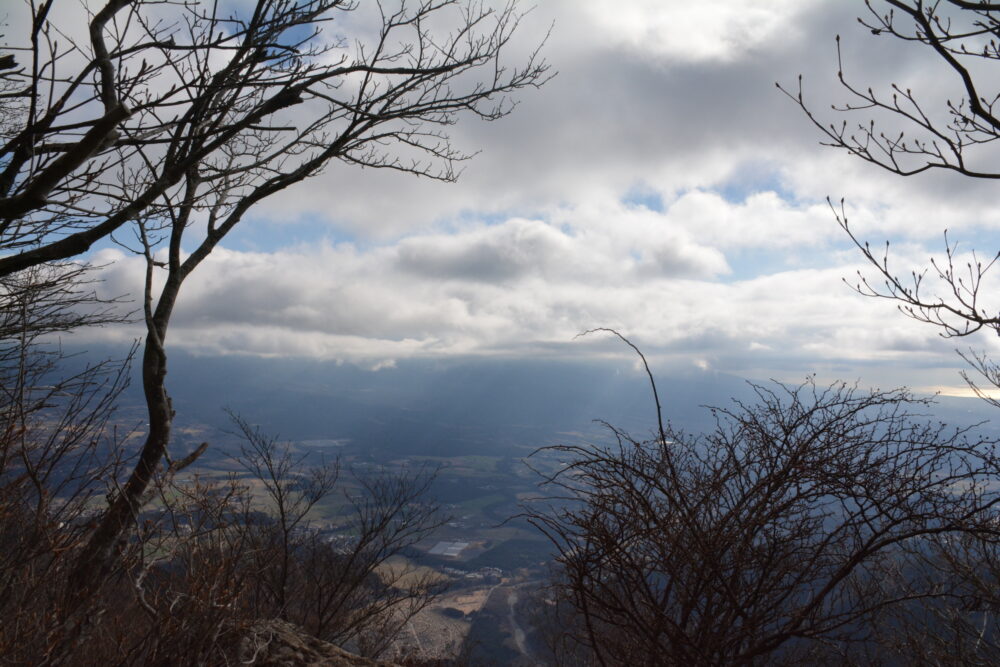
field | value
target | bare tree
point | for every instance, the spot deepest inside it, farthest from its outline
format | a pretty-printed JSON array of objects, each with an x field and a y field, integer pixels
[
  {"x": 228, "y": 105},
  {"x": 960, "y": 627},
  {"x": 215, "y": 561},
  {"x": 955, "y": 134},
  {"x": 955, "y": 293},
  {"x": 343, "y": 591},
  {"x": 787, "y": 535},
  {"x": 57, "y": 448},
  {"x": 167, "y": 131},
  {"x": 145, "y": 122},
  {"x": 290, "y": 492},
  {"x": 177, "y": 595}
]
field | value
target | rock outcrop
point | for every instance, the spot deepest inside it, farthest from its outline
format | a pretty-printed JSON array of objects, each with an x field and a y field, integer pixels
[{"x": 280, "y": 644}]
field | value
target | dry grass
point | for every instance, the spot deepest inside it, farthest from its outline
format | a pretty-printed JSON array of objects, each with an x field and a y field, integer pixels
[{"x": 402, "y": 572}]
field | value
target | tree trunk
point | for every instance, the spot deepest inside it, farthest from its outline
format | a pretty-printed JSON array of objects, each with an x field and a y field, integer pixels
[{"x": 97, "y": 556}]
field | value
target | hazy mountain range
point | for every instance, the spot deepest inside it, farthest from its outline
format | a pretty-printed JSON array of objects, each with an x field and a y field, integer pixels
[{"x": 455, "y": 407}]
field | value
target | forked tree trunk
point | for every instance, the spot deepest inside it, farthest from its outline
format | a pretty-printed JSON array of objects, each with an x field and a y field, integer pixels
[{"x": 97, "y": 556}]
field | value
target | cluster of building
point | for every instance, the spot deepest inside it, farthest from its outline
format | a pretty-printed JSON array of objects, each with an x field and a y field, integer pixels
[{"x": 486, "y": 575}]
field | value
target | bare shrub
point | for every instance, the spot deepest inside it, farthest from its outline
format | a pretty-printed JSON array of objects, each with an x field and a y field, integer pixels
[{"x": 788, "y": 534}]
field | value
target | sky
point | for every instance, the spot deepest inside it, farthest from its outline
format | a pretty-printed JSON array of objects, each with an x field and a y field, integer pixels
[{"x": 660, "y": 185}]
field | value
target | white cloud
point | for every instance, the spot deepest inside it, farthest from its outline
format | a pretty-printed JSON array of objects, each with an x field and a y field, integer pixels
[
  {"x": 762, "y": 220},
  {"x": 741, "y": 270},
  {"x": 530, "y": 286},
  {"x": 617, "y": 115},
  {"x": 722, "y": 30}
]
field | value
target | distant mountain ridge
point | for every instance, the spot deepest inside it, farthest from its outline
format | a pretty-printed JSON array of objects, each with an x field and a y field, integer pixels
[{"x": 457, "y": 406}]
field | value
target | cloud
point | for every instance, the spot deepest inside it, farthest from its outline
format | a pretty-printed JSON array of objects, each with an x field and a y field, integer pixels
[
  {"x": 497, "y": 254},
  {"x": 619, "y": 113},
  {"x": 724, "y": 30},
  {"x": 762, "y": 220},
  {"x": 632, "y": 109},
  {"x": 660, "y": 184},
  {"x": 526, "y": 287}
]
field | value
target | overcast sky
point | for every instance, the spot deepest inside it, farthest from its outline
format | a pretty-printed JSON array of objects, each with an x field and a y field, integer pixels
[{"x": 660, "y": 185}]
